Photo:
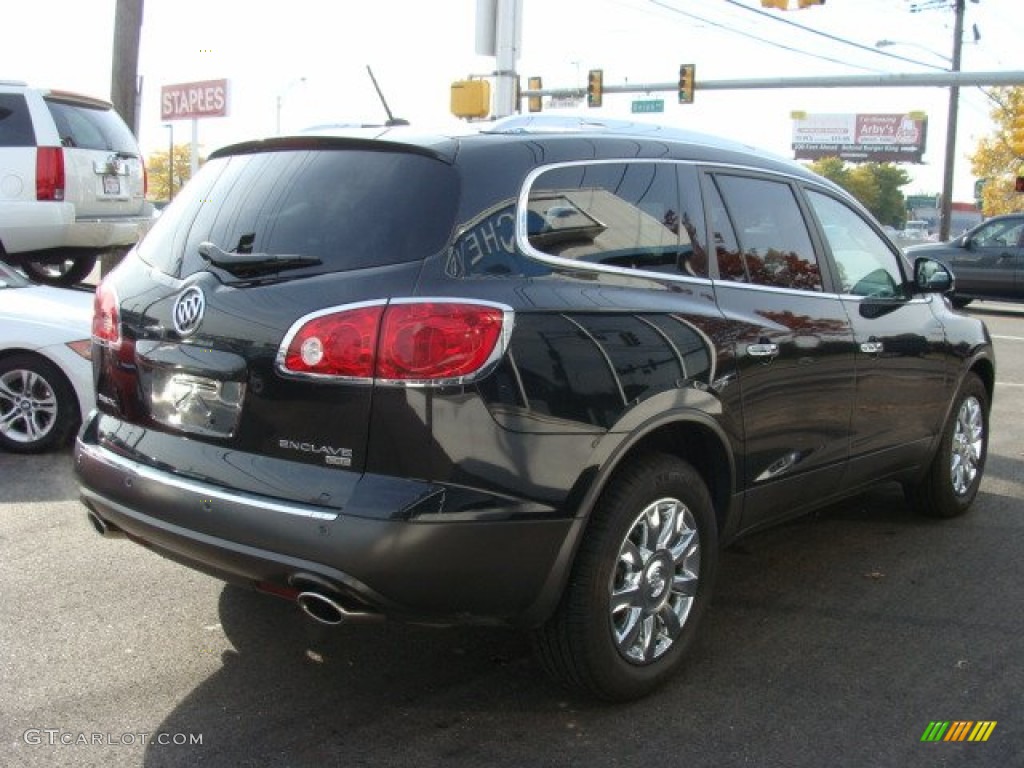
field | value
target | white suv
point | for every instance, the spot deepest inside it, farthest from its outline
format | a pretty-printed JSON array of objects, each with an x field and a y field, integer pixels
[{"x": 72, "y": 182}]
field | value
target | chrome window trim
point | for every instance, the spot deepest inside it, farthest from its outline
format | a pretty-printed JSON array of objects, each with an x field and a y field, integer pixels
[{"x": 522, "y": 208}]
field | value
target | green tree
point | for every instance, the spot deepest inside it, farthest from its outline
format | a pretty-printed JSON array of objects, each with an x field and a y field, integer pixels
[
  {"x": 876, "y": 185},
  {"x": 163, "y": 184},
  {"x": 999, "y": 158}
]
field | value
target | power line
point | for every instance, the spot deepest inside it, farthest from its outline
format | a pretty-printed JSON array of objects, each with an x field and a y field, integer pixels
[
  {"x": 871, "y": 49},
  {"x": 733, "y": 30}
]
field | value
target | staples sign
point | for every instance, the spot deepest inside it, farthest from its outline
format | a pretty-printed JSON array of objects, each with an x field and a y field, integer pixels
[{"x": 208, "y": 98}]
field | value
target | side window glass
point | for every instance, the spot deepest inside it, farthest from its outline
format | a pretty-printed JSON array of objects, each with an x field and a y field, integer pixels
[
  {"x": 619, "y": 214},
  {"x": 867, "y": 267},
  {"x": 15, "y": 124},
  {"x": 773, "y": 242},
  {"x": 999, "y": 234},
  {"x": 727, "y": 248}
]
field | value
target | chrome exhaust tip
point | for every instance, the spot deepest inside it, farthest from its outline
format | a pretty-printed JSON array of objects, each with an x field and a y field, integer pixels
[{"x": 321, "y": 608}]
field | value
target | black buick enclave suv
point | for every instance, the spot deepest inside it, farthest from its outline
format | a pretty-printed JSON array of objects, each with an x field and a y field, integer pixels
[{"x": 535, "y": 375}]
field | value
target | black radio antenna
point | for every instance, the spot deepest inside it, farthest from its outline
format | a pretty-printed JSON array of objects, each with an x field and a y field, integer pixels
[{"x": 392, "y": 120}]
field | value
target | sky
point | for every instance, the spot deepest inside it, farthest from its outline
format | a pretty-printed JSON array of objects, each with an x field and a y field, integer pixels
[{"x": 311, "y": 57}]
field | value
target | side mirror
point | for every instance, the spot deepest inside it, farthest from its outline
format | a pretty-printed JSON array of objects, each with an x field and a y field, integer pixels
[{"x": 931, "y": 276}]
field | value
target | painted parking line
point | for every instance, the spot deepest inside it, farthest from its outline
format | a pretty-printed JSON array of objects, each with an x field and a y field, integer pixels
[{"x": 1009, "y": 338}]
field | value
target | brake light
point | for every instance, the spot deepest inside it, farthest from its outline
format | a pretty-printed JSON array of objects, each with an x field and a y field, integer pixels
[
  {"x": 145, "y": 178},
  {"x": 405, "y": 342},
  {"x": 336, "y": 344},
  {"x": 106, "y": 317},
  {"x": 50, "y": 173}
]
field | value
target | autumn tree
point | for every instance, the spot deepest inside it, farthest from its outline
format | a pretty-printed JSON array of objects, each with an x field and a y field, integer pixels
[
  {"x": 876, "y": 185},
  {"x": 999, "y": 158},
  {"x": 165, "y": 182}
]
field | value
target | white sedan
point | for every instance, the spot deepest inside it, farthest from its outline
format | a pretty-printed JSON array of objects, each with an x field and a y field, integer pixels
[{"x": 45, "y": 363}]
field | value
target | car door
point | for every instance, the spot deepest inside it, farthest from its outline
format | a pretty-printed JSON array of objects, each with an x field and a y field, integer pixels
[
  {"x": 990, "y": 263},
  {"x": 793, "y": 345},
  {"x": 902, "y": 380}
]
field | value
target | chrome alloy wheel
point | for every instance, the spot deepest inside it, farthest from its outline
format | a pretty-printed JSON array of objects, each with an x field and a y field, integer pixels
[
  {"x": 968, "y": 441},
  {"x": 28, "y": 406},
  {"x": 655, "y": 580}
]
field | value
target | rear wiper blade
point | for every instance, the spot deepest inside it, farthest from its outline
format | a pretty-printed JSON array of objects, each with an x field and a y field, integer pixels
[{"x": 247, "y": 263}]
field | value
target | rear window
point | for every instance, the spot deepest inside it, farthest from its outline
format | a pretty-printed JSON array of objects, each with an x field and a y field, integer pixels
[
  {"x": 350, "y": 208},
  {"x": 15, "y": 124},
  {"x": 89, "y": 127}
]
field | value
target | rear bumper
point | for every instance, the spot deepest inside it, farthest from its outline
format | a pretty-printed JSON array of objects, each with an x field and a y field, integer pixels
[
  {"x": 501, "y": 570},
  {"x": 26, "y": 227}
]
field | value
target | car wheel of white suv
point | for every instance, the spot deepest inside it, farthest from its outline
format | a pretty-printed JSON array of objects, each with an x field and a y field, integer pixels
[{"x": 63, "y": 272}]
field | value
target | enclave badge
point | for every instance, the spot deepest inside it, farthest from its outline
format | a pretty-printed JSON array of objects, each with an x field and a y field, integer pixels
[{"x": 188, "y": 310}]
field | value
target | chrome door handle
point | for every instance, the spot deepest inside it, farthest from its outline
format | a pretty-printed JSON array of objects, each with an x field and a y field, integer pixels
[{"x": 763, "y": 350}]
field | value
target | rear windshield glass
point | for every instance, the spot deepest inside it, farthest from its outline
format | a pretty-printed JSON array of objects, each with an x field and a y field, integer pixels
[
  {"x": 90, "y": 127},
  {"x": 349, "y": 208}
]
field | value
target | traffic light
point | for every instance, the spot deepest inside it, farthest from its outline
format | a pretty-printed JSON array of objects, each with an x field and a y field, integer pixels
[
  {"x": 686, "y": 84},
  {"x": 535, "y": 103},
  {"x": 782, "y": 5},
  {"x": 595, "y": 87},
  {"x": 471, "y": 98},
  {"x": 809, "y": 3}
]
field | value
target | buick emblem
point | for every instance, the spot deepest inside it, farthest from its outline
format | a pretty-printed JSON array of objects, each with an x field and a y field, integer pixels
[{"x": 188, "y": 310}]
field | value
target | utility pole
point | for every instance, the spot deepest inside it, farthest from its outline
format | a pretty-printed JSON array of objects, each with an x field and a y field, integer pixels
[
  {"x": 124, "y": 70},
  {"x": 946, "y": 209}
]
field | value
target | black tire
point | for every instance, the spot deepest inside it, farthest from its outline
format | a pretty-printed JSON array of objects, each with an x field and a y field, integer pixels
[
  {"x": 959, "y": 302},
  {"x": 38, "y": 407},
  {"x": 597, "y": 643},
  {"x": 953, "y": 479},
  {"x": 64, "y": 272}
]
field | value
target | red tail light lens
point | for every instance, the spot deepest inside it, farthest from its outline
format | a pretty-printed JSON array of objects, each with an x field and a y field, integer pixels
[
  {"x": 49, "y": 173},
  {"x": 336, "y": 344},
  {"x": 106, "y": 317},
  {"x": 436, "y": 341},
  {"x": 405, "y": 342}
]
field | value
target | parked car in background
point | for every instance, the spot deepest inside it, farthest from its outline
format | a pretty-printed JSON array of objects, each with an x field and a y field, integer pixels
[
  {"x": 45, "y": 370},
  {"x": 533, "y": 375},
  {"x": 73, "y": 183},
  {"x": 987, "y": 261}
]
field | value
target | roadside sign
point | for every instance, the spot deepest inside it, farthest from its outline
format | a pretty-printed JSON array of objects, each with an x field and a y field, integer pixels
[
  {"x": 208, "y": 98},
  {"x": 648, "y": 105}
]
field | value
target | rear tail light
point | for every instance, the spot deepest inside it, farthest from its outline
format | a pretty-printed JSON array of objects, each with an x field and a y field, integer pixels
[
  {"x": 145, "y": 178},
  {"x": 106, "y": 317},
  {"x": 407, "y": 342},
  {"x": 50, "y": 173}
]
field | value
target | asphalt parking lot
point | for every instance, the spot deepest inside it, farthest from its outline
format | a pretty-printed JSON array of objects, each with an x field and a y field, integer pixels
[{"x": 836, "y": 640}]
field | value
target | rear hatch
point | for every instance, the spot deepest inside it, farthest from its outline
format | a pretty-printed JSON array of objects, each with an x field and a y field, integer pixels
[
  {"x": 104, "y": 169},
  {"x": 190, "y": 327}
]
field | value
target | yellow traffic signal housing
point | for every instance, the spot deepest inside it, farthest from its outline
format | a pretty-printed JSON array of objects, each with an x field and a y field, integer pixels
[
  {"x": 686, "y": 84},
  {"x": 782, "y": 5},
  {"x": 595, "y": 87},
  {"x": 471, "y": 98},
  {"x": 535, "y": 103},
  {"x": 809, "y": 3}
]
